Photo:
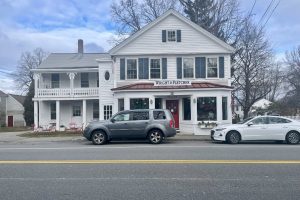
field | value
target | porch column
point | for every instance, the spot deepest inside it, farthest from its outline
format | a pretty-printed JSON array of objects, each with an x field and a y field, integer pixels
[
  {"x": 219, "y": 109},
  {"x": 57, "y": 115},
  {"x": 126, "y": 103},
  {"x": 36, "y": 115},
  {"x": 151, "y": 102},
  {"x": 84, "y": 113},
  {"x": 36, "y": 78},
  {"x": 71, "y": 77},
  {"x": 194, "y": 113}
]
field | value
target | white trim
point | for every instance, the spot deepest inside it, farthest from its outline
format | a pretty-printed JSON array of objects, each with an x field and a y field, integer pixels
[
  {"x": 218, "y": 67},
  {"x": 159, "y": 19},
  {"x": 167, "y": 36},
  {"x": 87, "y": 69},
  {"x": 160, "y": 66},
  {"x": 194, "y": 68}
]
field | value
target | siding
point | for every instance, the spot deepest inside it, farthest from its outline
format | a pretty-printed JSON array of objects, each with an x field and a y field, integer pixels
[
  {"x": 192, "y": 41},
  {"x": 172, "y": 68}
]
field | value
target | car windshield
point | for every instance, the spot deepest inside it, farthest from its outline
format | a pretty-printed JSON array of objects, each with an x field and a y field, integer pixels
[{"x": 245, "y": 120}]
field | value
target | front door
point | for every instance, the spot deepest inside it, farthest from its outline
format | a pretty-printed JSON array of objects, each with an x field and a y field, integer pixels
[
  {"x": 10, "y": 121},
  {"x": 172, "y": 106}
]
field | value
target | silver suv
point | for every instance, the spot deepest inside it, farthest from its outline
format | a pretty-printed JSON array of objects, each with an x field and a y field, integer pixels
[{"x": 154, "y": 125}]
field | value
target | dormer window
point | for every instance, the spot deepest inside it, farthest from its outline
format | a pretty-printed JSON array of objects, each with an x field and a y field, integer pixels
[{"x": 171, "y": 35}]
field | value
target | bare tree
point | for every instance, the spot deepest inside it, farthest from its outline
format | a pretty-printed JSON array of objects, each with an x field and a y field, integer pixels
[
  {"x": 220, "y": 17},
  {"x": 251, "y": 75},
  {"x": 293, "y": 77},
  {"x": 130, "y": 16},
  {"x": 29, "y": 60},
  {"x": 277, "y": 77}
]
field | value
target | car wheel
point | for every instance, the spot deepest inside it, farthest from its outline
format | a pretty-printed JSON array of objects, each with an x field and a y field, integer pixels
[
  {"x": 155, "y": 136},
  {"x": 292, "y": 137},
  {"x": 99, "y": 137},
  {"x": 233, "y": 137}
]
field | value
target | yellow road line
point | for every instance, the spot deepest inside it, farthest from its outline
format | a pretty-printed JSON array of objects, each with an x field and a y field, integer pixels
[{"x": 149, "y": 161}]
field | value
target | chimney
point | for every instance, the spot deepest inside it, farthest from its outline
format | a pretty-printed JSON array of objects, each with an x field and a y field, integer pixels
[{"x": 80, "y": 46}]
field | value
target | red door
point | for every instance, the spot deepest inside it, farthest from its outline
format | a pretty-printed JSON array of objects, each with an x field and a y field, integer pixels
[
  {"x": 10, "y": 121},
  {"x": 172, "y": 105}
]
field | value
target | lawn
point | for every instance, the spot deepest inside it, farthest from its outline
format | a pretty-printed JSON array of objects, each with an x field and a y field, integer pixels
[
  {"x": 51, "y": 134},
  {"x": 14, "y": 129}
]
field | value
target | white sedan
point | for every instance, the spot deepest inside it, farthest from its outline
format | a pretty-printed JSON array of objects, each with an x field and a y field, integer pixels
[{"x": 259, "y": 128}]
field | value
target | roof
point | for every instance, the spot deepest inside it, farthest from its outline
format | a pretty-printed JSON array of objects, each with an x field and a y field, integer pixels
[
  {"x": 19, "y": 98},
  {"x": 2, "y": 94},
  {"x": 72, "y": 60},
  {"x": 150, "y": 86},
  {"x": 162, "y": 17}
]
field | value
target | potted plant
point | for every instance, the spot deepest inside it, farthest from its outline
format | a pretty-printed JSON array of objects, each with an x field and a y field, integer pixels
[{"x": 62, "y": 128}]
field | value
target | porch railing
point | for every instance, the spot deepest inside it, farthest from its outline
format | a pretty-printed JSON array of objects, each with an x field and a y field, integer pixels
[{"x": 68, "y": 92}]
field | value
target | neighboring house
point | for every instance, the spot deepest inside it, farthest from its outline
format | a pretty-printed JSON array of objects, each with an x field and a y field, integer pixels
[
  {"x": 171, "y": 63},
  {"x": 238, "y": 111},
  {"x": 11, "y": 110}
]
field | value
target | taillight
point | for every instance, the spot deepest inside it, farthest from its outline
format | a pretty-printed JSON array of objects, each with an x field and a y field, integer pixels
[{"x": 171, "y": 123}]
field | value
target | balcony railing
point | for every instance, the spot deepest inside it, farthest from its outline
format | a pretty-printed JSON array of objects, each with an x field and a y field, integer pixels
[{"x": 68, "y": 92}]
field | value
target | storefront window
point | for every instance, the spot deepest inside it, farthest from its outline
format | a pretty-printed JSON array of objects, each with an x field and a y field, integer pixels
[
  {"x": 140, "y": 103},
  {"x": 158, "y": 103},
  {"x": 206, "y": 108},
  {"x": 224, "y": 109},
  {"x": 186, "y": 102},
  {"x": 120, "y": 104}
]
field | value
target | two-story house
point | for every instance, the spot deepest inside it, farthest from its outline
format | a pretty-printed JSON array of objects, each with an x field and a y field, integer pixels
[{"x": 171, "y": 63}]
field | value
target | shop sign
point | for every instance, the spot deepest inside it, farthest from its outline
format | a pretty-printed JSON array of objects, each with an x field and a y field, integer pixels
[{"x": 172, "y": 83}]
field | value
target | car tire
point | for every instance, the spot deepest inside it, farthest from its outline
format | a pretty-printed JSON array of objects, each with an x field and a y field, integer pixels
[
  {"x": 155, "y": 136},
  {"x": 292, "y": 137},
  {"x": 99, "y": 138},
  {"x": 233, "y": 137}
]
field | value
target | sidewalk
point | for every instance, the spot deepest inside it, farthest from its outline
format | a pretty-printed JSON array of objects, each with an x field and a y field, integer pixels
[{"x": 12, "y": 137}]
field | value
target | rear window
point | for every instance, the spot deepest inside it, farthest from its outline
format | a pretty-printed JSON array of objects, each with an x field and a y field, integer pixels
[
  {"x": 140, "y": 115},
  {"x": 157, "y": 115},
  {"x": 278, "y": 120}
]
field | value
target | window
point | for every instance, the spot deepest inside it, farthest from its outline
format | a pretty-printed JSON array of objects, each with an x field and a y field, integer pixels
[
  {"x": 107, "y": 112},
  {"x": 139, "y": 103},
  {"x": 76, "y": 111},
  {"x": 53, "y": 110},
  {"x": 157, "y": 115},
  {"x": 224, "y": 108},
  {"x": 122, "y": 117},
  {"x": 155, "y": 69},
  {"x": 188, "y": 68},
  {"x": 106, "y": 75},
  {"x": 96, "y": 110},
  {"x": 158, "y": 103},
  {"x": 120, "y": 104},
  {"x": 260, "y": 120},
  {"x": 97, "y": 79},
  {"x": 171, "y": 36},
  {"x": 55, "y": 80},
  {"x": 84, "y": 80},
  {"x": 131, "y": 69},
  {"x": 206, "y": 108},
  {"x": 140, "y": 115},
  {"x": 278, "y": 120},
  {"x": 212, "y": 68},
  {"x": 186, "y": 102}
]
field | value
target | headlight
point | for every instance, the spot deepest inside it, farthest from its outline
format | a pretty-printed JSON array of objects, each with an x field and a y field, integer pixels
[{"x": 220, "y": 129}]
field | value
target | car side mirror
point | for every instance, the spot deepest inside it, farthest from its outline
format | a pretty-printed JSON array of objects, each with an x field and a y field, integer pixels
[
  {"x": 113, "y": 120},
  {"x": 250, "y": 124}
]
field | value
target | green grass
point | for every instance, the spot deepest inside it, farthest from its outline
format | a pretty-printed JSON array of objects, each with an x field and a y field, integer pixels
[
  {"x": 14, "y": 129},
  {"x": 51, "y": 134}
]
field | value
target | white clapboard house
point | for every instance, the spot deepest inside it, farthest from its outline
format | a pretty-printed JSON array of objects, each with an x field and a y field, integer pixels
[{"x": 171, "y": 63}]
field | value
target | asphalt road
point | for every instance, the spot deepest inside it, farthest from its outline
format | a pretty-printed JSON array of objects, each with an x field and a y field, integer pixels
[{"x": 138, "y": 170}]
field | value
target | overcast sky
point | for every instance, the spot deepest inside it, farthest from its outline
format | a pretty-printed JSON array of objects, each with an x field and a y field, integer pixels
[{"x": 55, "y": 26}]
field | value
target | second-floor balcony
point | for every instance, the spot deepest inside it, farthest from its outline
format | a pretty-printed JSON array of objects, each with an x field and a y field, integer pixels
[{"x": 68, "y": 92}]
